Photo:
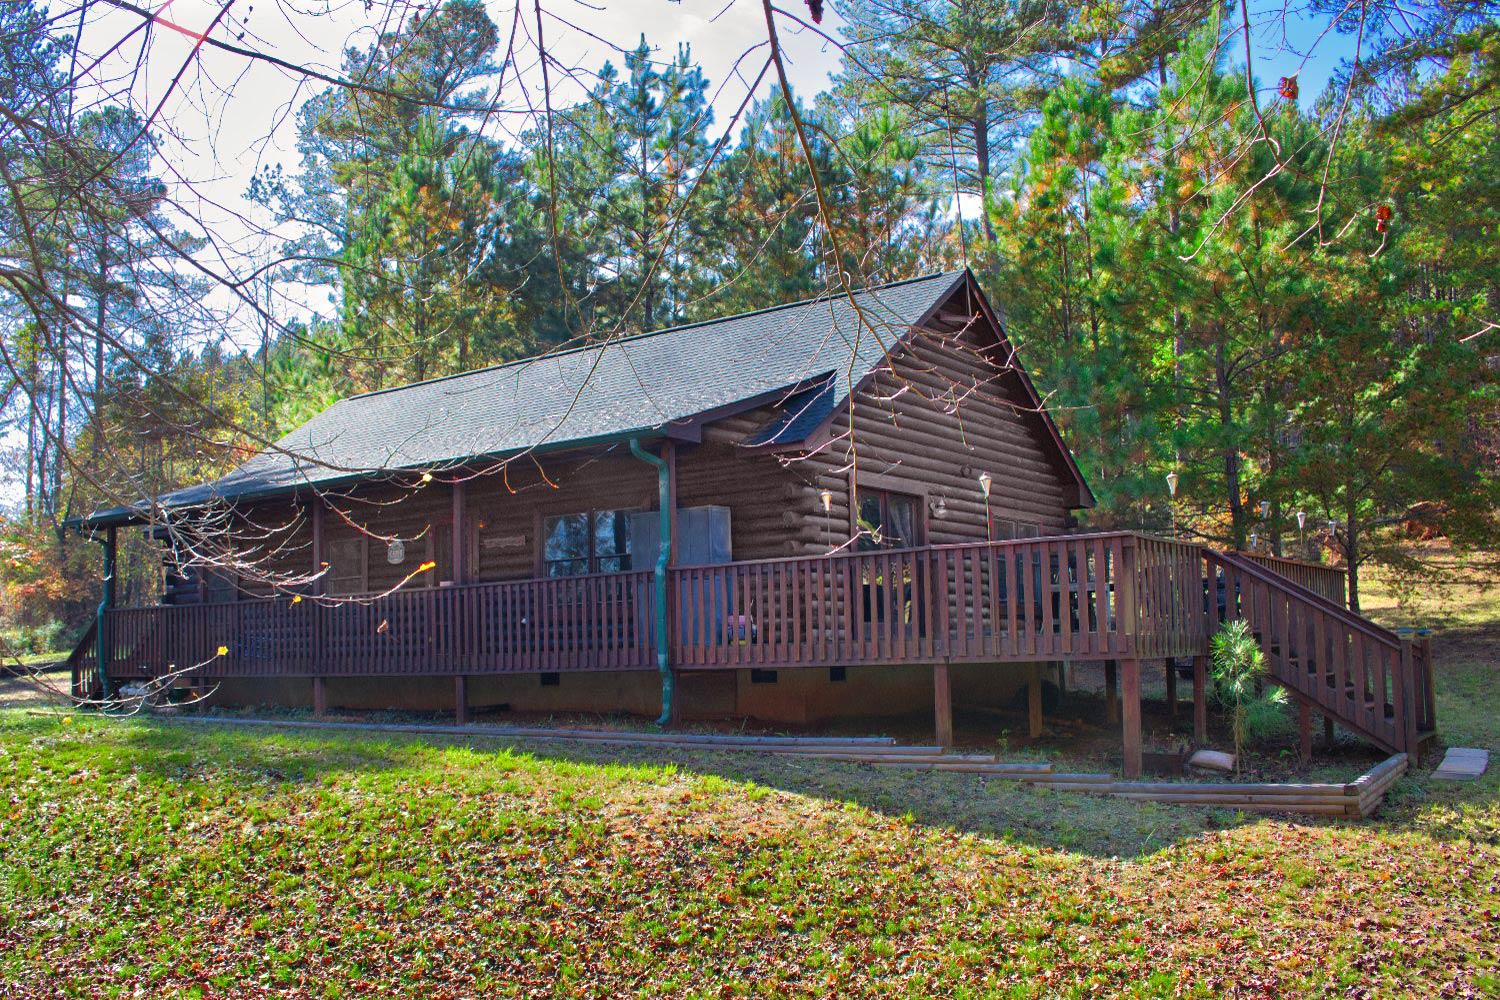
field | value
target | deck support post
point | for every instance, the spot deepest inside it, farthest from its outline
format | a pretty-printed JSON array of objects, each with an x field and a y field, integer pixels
[
  {"x": 1131, "y": 717},
  {"x": 1111, "y": 692},
  {"x": 1171, "y": 687},
  {"x": 942, "y": 700},
  {"x": 461, "y": 699},
  {"x": 1328, "y": 733},
  {"x": 1200, "y": 700},
  {"x": 320, "y": 696},
  {"x": 1304, "y": 730},
  {"x": 1034, "y": 701},
  {"x": 1063, "y": 666}
]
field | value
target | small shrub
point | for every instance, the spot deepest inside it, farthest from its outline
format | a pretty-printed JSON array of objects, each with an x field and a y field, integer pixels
[{"x": 1239, "y": 670}]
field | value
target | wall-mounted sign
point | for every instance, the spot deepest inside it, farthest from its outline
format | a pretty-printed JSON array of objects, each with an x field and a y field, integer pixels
[
  {"x": 395, "y": 552},
  {"x": 503, "y": 542}
]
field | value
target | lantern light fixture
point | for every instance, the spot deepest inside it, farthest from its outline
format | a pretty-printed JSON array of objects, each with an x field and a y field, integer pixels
[
  {"x": 1254, "y": 539},
  {"x": 827, "y": 497},
  {"x": 1172, "y": 482},
  {"x": 1265, "y": 509},
  {"x": 985, "y": 479},
  {"x": 1301, "y": 519}
]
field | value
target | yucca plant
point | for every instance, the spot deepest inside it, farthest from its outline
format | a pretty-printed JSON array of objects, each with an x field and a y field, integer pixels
[{"x": 1238, "y": 667}]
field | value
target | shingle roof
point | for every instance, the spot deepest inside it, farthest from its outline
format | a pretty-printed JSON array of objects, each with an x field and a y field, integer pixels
[{"x": 641, "y": 384}]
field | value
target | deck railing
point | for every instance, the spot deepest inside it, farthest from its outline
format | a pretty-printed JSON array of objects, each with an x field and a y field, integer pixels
[
  {"x": 1076, "y": 596},
  {"x": 596, "y": 622},
  {"x": 1328, "y": 581},
  {"x": 1098, "y": 596}
]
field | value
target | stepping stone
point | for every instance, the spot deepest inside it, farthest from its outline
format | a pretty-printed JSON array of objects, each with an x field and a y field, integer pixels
[{"x": 1462, "y": 764}]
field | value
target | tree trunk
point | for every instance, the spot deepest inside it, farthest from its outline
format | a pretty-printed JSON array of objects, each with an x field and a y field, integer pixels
[
  {"x": 982, "y": 160},
  {"x": 1351, "y": 556},
  {"x": 1231, "y": 451}
]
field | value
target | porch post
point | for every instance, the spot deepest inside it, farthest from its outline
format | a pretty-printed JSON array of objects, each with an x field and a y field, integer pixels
[
  {"x": 669, "y": 454},
  {"x": 1328, "y": 734},
  {"x": 1200, "y": 699},
  {"x": 1111, "y": 692},
  {"x": 459, "y": 569},
  {"x": 1304, "y": 730},
  {"x": 460, "y": 555},
  {"x": 102, "y": 639},
  {"x": 942, "y": 703},
  {"x": 320, "y": 695},
  {"x": 1131, "y": 718},
  {"x": 1171, "y": 687},
  {"x": 1034, "y": 700}
]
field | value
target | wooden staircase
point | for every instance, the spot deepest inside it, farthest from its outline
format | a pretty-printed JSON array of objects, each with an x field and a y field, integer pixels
[{"x": 1369, "y": 679}]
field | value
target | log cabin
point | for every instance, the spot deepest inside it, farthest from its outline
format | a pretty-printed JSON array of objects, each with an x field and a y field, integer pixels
[{"x": 837, "y": 508}]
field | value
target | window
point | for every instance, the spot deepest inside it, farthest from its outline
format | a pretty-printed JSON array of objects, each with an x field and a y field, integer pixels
[
  {"x": 887, "y": 520},
  {"x": 762, "y": 676},
  {"x": 596, "y": 541},
  {"x": 1005, "y": 529},
  {"x": 347, "y": 572}
]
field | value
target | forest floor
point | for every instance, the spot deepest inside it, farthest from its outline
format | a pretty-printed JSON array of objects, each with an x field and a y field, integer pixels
[{"x": 160, "y": 859}]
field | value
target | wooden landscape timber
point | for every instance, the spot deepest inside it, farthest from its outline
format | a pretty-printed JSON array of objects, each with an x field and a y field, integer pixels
[{"x": 1359, "y": 798}]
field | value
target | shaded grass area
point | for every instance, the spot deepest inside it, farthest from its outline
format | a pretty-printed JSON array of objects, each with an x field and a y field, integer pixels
[
  {"x": 159, "y": 858},
  {"x": 168, "y": 858}
]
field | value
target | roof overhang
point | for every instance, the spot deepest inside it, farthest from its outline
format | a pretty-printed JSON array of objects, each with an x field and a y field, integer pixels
[{"x": 160, "y": 509}]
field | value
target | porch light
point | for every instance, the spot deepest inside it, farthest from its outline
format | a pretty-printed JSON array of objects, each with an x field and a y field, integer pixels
[
  {"x": 1172, "y": 482},
  {"x": 939, "y": 506},
  {"x": 827, "y": 497},
  {"x": 985, "y": 479}
]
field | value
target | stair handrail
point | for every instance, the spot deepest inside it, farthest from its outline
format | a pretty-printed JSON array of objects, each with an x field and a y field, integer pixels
[
  {"x": 75, "y": 675},
  {"x": 1352, "y": 618}
]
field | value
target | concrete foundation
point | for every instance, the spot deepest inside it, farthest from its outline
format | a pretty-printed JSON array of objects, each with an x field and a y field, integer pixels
[{"x": 801, "y": 696}]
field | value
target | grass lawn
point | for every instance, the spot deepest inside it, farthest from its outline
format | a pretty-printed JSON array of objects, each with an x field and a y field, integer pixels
[{"x": 155, "y": 858}]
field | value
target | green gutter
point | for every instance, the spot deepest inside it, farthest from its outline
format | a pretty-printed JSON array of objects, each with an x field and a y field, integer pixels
[
  {"x": 101, "y": 620},
  {"x": 663, "y": 557}
]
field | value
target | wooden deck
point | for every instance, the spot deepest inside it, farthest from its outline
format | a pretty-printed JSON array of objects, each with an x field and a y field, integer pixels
[{"x": 1117, "y": 596}]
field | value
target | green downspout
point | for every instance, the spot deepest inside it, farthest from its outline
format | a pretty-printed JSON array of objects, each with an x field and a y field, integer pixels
[
  {"x": 663, "y": 557},
  {"x": 101, "y": 619}
]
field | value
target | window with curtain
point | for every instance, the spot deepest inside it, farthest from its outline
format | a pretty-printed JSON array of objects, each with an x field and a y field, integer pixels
[
  {"x": 887, "y": 520},
  {"x": 594, "y": 541}
]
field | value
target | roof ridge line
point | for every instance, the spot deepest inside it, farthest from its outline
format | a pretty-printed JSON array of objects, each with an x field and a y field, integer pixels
[{"x": 644, "y": 334}]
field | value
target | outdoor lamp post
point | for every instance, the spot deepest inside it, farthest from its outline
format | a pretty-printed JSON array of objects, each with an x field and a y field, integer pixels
[
  {"x": 985, "y": 479},
  {"x": 827, "y": 497},
  {"x": 1172, "y": 500}
]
